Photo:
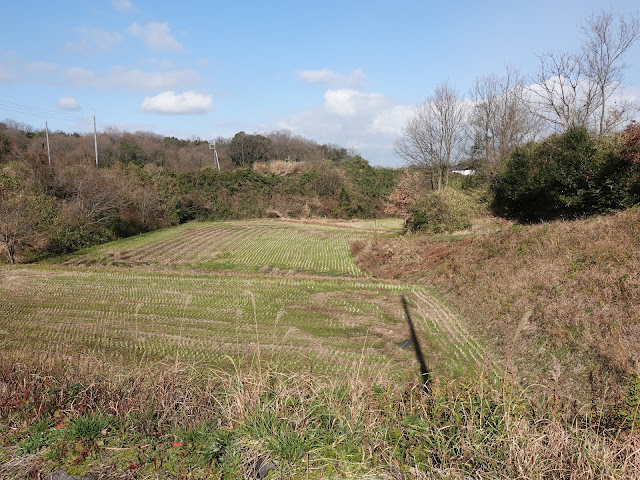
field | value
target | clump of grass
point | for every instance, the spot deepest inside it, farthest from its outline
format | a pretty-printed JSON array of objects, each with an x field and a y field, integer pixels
[
  {"x": 301, "y": 425},
  {"x": 90, "y": 426},
  {"x": 279, "y": 167}
]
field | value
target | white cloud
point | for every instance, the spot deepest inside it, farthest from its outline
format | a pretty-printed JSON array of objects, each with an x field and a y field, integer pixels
[
  {"x": 9, "y": 67},
  {"x": 80, "y": 46},
  {"x": 7, "y": 73},
  {"x": 117, "y": 77},
  {"x": 368, "y": 122},
  {"x": 130, "y": 79},
  {"x": 162, "y": 63},
  {"x": 156, "y": 35},
  {"x": 95, "y": 37},
  {"x": 328, "y": 77},
  {"x": 350, "y": 103},
  {"x": 314, "y": 77},
  {"x": 122, "y": 5},
  {"x": 390, "y": 121},
  {"x": 68, "y": 103},
  {"x": 184, "y": 103}
]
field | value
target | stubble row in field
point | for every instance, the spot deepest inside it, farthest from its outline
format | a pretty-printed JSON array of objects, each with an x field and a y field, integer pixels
[
  {"x": 303, "y": 324},
  {"x": 162, "y": 296},
  {"x": 248, "y": 247}
]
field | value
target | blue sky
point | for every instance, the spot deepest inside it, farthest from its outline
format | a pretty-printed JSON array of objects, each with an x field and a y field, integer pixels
[{"x": 345, "y": 72}]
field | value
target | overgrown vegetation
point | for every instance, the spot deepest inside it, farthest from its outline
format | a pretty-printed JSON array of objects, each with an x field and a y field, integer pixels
[
  {"x": 168, "y": 421},
  {"x": 570, "y": 176},
  {"x": 558, "y": 300},
  {"x": 442, "y": 211},
  {"x": 146, "y": 182}
]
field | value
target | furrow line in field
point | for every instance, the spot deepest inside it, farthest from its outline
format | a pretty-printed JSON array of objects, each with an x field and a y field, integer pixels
[
  {"x": 190, "y": 247},
  {"x": 459, "y": 342},
  {"x": 448, "y": 318},
  {"x": 464, "y": 346}
]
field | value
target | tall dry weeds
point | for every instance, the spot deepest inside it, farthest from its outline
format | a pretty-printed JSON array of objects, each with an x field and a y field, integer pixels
[
  {"x": 580, "y": 280},
  {"x": 309, "y": 424}
]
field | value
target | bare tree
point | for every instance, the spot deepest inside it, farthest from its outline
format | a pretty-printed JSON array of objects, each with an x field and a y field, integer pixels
[
  {"x": 500, "y": 119},
  {"x": 20, "y": 216},
  {"x": 608, "y": 38},
  {"x": 575, "y": 89},
  {"x": 93, "y": 197},
  {"x": 563, "y": 93},
  {"x": 433, "y": 137},
  {"x": 280, "y": 147}
]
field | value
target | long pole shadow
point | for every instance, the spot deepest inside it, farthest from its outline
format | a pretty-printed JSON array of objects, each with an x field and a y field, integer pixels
[{"x": 425, "y": 374}]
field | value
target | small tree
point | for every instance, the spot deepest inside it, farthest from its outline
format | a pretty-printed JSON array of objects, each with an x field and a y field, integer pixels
[
  {"x": 434, "y": 136},
  {"x": 409, "y": 188},
  {"x": 500, "y": 119},
  {"x": 608, "y": 38},
  {"x": 245, "y": 150},
  {"x": 575, "y": 89},
  {"x": 21, "y": 219},
  {"x": 563, "y": 94}
]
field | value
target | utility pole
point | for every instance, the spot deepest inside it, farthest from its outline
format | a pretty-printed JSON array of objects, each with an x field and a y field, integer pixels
[
  {"x": 95, "y": 136},
  {"x": 212, "y": 146},
  {"x": 46, "y": 129}
]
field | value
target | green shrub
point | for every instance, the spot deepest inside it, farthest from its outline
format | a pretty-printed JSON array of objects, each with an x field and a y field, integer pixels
[
  {"x": 565, "y": 176},
  {"x": 442, "y": 211}
]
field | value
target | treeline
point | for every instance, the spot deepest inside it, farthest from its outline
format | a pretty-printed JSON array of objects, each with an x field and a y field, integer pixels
[
  {"x": 552, "y": 145},
  {"x": 180, "y": 155},
  {"x": 147, "y": 182},
  {"x": 571, "y": 175}
]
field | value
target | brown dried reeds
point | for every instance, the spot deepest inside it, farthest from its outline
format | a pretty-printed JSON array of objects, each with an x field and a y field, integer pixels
[
  {"x": 580, "y": 280},
  {"x": 318, "y": 424}
]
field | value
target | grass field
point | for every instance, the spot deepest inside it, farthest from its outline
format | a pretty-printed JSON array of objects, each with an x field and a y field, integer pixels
[
  {"x": 248, "y": 247},
  {"x": 210, "y": 350},
  {"x": 220, "y": 293},
  {"x": 303, "y": 324}
]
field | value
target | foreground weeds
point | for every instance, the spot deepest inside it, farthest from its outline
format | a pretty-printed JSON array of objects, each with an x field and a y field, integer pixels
[{"x": 172, "y": 421}]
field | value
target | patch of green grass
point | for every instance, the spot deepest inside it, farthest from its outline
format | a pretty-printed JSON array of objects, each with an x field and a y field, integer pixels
[
  {"x": 90, "y": 426},
  {"x": 33, "y": 444}
]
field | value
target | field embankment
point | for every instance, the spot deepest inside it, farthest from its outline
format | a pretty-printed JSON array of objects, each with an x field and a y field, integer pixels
[{"x": 559, "y": 300}]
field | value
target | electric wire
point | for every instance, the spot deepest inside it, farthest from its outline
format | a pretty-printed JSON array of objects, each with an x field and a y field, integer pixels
[{"x": 13, "y": 107}]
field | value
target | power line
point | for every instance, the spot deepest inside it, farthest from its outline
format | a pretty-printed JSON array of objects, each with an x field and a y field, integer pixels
[
  {"x": 8, "y": 106},
  {"x": 41, "y": 115},
  {"x": 39, "y": 111}
]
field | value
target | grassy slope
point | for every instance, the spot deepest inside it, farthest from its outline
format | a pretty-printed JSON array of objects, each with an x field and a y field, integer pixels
[{"x": 560, "y": 300}]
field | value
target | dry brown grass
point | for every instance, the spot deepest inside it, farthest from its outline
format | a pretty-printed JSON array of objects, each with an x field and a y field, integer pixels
[
  {"x": 579, "y": 280},
  {"x": 280, "y": 167},
  {"x": 397, "y": 432}
]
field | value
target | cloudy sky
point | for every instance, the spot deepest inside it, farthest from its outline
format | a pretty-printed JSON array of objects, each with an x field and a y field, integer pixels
[{"x": 346, "y": 72}]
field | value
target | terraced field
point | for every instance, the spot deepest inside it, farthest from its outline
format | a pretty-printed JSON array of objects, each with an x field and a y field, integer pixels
[
  {"x": 249, "y": 247},
  {"x": 163, "y": 296}
]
